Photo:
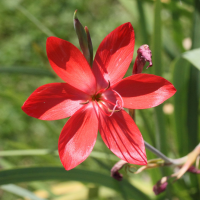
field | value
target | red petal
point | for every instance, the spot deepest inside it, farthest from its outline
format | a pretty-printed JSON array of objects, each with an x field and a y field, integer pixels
[
  {"x": 142, "y": 91},
  {"x": 54, "y": 101},
  {"x": 114, "y": 55},
  {"x": 122, "y": 137},
  {"x": 78, "y": 137},
  {"x": 70, "y": 64}
]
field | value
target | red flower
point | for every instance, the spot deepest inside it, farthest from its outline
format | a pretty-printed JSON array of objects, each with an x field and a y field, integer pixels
[{"x": 94, "y": 98}]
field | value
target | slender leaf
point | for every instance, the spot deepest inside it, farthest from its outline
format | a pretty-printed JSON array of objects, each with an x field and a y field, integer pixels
[
  {"x": 157, "y": 66},
  {"x": 27, "y": 70},
  {"x": 193, "y": 95},
  {"x": 19, "y": 191},
  {"x": 59, "y": 173},
  {"x": 143, "y": 23},
  {"x": 193, "y": 98},
  {"x": 180, "y": 81}
]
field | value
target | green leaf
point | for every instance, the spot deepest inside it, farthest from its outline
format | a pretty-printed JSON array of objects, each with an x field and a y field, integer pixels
[
  {"x": 59, "y": 173},
  {"x": 193, "y": 57},
  {"x": 180, "y": 81},
  {"x": 194, "y": 87},
  {"x": 193, "y": 95},
  {"x": 143, "y": 22},
  {"x": 157, "y": 68},
  {"x": 19, "y": 191}
]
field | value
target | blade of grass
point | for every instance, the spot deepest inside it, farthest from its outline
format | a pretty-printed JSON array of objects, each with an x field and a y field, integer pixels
[
  {"x": 193, "y": 94},
  {"x": 157, "y": 62},
  {"x": 19, "y": 191},
  {"x": 143, "y": 23},
  {"x": 59, "y": 173},
  {"x": 180, "y": 81},
  {"x": 27, "y": 70},
  {"x": 193, "y": 98},
  {"x": 177, "y": 25},
  {"x": 33, "y": 19}
]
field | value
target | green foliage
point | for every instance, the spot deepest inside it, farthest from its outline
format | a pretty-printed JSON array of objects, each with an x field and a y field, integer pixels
[{"x": 168, "y": 27}]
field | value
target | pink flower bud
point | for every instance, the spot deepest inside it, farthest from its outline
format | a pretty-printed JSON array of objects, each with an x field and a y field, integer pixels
[
  {"x": 144, "y": 55},
  {"x": 194, "y": 170},
  {"x": 114, "y": 171},
  {"x": 159, "y": 188}
]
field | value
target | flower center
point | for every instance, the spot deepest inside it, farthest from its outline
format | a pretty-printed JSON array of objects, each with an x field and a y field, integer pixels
[
  {"x": 96, "y": 97},
  {"x": 108, "y": 100}
]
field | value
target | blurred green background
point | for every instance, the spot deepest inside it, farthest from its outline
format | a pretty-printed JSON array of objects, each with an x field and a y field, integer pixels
[{"x": 169, "y": 27}]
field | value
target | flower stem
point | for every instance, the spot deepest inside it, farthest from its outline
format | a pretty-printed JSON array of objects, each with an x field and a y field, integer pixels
[
  {"x": 157, "y": 152},
  {"x": 178, "y": 161},
  {"x": 167, "y": 160}
]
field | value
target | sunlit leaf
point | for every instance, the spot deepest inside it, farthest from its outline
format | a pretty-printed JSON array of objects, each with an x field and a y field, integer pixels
[
  {"x": 19, "y": 191},
  {"x": 193, "y": 57}
]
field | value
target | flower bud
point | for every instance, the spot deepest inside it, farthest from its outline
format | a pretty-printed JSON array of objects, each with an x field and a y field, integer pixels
[
  {"x": 89, "y": 45},
  {"x": 83, "y": 38},
  {"x": 160, "y": 186},
  {"x": 194, "y": 170},
  {"x": 114, "y": 171},
  {"x": 143, "y": 56}
]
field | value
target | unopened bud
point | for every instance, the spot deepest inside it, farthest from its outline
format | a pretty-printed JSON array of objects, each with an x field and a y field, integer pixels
[
  {"x": 114, "y": 171},
  {"x": 89, "y": 45},
  {"x": 143, "y": 55},
  {"x": 160, "y": 186},
  {"x": 82, "y": 37},
  {"x": 194, "y": 170}
]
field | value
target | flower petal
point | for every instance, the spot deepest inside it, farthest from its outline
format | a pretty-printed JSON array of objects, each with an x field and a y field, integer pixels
[
  {"x": 70, "y": 64},
  {"x": 54, "y": 101},
  {"x": 122, "y": 137},
  {"x": 114, "y": 55},
  {"x": 142, "y": 91},
  {"x": 78, "y": 137}
]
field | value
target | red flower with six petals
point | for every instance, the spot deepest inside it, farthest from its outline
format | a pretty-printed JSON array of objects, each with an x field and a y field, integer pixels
[{"x": 94, "y": 98}]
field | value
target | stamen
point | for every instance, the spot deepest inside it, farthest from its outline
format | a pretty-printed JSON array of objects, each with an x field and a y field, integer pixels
[
  {"x": 108, "y": 85},
  {"x": 103, "y": 90},
  {"x": 102, "y": 109},
  {"x": 102, "y": 99},
  {"x": 120, "y": 98},
  {"x": 114, "y": 109},
  {"x": 85, "y": 102}
]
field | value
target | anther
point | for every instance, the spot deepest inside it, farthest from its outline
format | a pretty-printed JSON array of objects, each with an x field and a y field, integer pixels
[
  {"x": 108, "y": 85},
  {"x": 85, "y": 102}
]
